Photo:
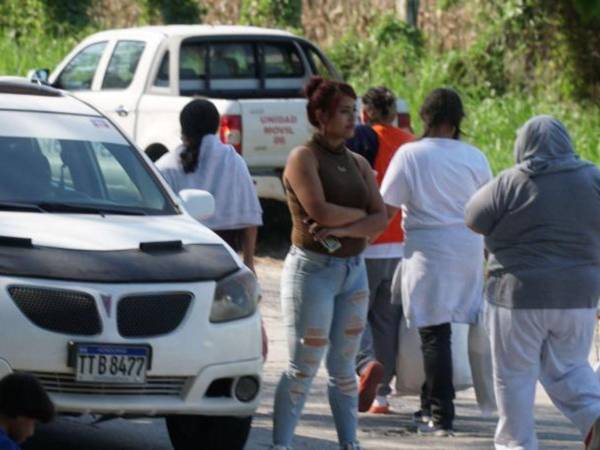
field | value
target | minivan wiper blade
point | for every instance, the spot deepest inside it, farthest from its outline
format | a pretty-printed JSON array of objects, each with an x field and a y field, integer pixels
[
  {"x": 87, "y": 209},
  {"x": 17, "y": 206}
]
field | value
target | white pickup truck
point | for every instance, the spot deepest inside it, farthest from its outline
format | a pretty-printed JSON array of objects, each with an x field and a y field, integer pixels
[{"x": 142, "y": 77}]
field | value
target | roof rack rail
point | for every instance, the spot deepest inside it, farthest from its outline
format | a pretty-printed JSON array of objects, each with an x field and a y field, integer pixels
[{"x": 27, "y": 88}]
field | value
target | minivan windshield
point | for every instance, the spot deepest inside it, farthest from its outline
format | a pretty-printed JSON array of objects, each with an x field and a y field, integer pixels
[{"x": 51, "y": 162}]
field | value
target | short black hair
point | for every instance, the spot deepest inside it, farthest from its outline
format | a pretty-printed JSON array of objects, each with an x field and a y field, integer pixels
[
  {"x": 22, "y": 395},
  {"x": 442, "y": 106}
]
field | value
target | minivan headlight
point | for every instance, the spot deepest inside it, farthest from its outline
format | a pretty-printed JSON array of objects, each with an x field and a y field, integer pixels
[{"x": 236, "y": 297}]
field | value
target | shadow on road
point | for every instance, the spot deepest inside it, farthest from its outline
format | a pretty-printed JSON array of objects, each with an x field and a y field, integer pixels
[{"x": 80, "y": 433}]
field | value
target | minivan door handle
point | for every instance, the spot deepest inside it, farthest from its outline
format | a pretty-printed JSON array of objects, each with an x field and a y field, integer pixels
[{"x": 122, "y": 111}]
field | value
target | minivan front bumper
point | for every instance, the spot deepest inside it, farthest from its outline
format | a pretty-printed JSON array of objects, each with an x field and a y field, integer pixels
[{"x": 196, "y": 368}]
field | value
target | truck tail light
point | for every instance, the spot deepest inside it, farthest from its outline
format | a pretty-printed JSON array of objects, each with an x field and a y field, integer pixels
[
  {"x": 230, "y": 131},
  {"x": 404, "y": 121}
]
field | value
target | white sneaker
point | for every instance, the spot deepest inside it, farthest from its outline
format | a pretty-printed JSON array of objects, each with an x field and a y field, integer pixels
[
  {"x": 380, "y": 405},
  {"x": 431, "y": 429},
  {"x": 420, "y": 418}
]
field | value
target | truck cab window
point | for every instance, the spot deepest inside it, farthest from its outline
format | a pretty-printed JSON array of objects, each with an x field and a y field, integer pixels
[
  {"x": 123, "y": 64},
  {"x": 282, "y": 61},
  {"x": 162, "y": 76},
  {"x": 192, "y": 70},
  {"x": 232, "y": 60},
  {"x": 79, "y": 72},
  {"x": 318, "y": 64}
]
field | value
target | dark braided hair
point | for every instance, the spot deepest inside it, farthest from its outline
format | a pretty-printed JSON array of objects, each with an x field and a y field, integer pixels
[
  {"x": 442, "y": 106},
  {"x": 381, "y": 103},
  {"x": 324, "y": 95},
  {"x": 198, "y": 118}
]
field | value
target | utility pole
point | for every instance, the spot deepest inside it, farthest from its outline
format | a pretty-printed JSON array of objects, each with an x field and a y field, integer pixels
[{"x": 408, "y": 10}]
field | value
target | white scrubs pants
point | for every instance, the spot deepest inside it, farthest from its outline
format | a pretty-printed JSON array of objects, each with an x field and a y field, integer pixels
[{"x": 551, "y": 345}]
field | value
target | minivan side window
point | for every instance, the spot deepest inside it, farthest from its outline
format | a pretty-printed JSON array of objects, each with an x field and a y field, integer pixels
[
  {"x": 79, "y": 72},
  {"x": 123, "y": 64}
]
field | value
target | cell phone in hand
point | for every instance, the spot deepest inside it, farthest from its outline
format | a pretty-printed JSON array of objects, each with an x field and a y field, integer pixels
[{"x": 331, "y": 243}]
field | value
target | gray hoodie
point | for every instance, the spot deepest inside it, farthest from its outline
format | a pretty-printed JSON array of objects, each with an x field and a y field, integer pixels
[{"x": 541, "y": 221}]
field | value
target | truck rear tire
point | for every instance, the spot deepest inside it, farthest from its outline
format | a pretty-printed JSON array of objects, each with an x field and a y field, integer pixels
[{"x": 208, "y": 432}]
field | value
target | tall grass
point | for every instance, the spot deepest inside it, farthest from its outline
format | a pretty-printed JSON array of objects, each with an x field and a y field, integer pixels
[
  {"x": 492, "y": 122},
  {"x": 492, "y": 118},
  {"x": 17, "y": 57}
]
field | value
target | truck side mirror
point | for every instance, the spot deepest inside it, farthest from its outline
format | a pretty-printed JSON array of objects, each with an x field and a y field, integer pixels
[{"x": 38, "y": 76}]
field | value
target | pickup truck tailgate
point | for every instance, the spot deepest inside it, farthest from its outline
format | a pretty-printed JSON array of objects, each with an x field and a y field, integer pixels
[{"x": 271, "y": 128}]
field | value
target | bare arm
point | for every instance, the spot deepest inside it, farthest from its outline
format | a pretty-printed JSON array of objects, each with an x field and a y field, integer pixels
[
  {"x": 249, "y": 246},
  {"x": 376, "y": 219},
  {"x": 302, "y": 174}
]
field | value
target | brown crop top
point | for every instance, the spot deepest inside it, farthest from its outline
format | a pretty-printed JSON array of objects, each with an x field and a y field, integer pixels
[{"x": 343, "y": 184}]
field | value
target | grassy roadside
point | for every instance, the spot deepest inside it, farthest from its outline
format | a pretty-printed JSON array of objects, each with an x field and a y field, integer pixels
[
  {"x": 19, "y": 57},
  {"x": 492, "y": 119}
]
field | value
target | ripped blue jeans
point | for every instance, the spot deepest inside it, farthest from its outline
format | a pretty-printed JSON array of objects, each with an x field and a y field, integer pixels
[{"x": 324, "y": 300}]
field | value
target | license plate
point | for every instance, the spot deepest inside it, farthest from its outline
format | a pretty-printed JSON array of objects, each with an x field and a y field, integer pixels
[{"x": 111, "y": 363}]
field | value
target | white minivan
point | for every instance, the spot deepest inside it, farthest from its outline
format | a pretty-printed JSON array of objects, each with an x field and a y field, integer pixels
[{"x": 111, "y": 292}]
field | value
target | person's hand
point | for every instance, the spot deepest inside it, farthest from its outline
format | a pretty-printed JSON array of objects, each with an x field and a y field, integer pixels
[
  {"x": 322, "y": 233},
  {"x": 313, "y": 227}
]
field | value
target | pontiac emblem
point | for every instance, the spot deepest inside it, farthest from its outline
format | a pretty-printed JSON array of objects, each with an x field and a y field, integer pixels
[{"x": 107, "y": 302}]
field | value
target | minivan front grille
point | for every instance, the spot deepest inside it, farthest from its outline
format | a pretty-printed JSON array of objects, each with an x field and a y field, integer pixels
[
  {"x": 151, "y": 314},
  {"x": 58, "y": 310},
  {"x": 64, "y": 383}
]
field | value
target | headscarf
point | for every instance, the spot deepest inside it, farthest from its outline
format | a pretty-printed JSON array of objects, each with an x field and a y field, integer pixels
[{"x": 543, "y": 146}]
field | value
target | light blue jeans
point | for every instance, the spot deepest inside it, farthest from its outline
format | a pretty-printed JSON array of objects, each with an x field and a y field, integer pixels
[{"x": 324, "y": 301}]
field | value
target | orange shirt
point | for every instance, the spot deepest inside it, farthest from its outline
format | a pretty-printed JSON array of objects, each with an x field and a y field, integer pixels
[{"x": 390, "y": 139}]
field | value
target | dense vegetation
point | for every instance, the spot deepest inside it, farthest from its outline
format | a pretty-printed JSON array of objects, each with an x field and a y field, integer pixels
[{"x": 526, "y": 57}]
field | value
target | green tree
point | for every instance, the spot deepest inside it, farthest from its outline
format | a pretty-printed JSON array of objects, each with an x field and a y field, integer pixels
[
  {"x": 33, "y": 19},
  {"x": 172, "y": 11},
  {"x": 272, "y": 13}
]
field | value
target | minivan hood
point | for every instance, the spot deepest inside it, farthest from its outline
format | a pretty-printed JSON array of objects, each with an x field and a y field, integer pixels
[{"x": 96, "y": 232}]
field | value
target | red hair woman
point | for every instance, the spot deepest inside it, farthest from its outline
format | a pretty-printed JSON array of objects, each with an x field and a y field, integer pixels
[{"x": 335, "y": 206}]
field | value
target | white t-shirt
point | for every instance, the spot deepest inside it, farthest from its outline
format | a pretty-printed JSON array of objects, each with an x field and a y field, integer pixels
[
  {"x": 223, "y": 173},
  {"x": 432, "y": 179},
  {"x": 442, "y": 270}
]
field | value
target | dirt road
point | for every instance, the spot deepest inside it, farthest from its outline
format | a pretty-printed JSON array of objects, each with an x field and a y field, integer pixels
[{"x": 394, "y": 431}]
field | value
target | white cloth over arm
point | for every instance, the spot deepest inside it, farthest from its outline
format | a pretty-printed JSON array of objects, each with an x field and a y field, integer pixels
[
  {"x": 223, "y": 173},
  {"x": 442, "y": 270}
]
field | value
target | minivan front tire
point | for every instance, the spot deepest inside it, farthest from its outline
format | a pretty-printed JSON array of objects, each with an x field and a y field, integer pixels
[{"x": 189, "y": 432}]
